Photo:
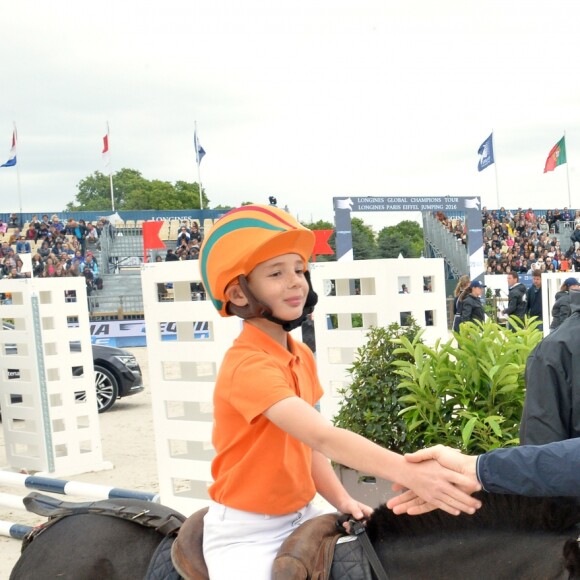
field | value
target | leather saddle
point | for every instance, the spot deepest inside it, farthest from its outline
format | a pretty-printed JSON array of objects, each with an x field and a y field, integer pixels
[
  {"x": 306, "y": 554},
  {"x": 187, "y": 549}
]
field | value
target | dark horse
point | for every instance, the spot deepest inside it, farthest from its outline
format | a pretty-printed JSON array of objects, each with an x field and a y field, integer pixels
[{"x": 509, "y": 537}]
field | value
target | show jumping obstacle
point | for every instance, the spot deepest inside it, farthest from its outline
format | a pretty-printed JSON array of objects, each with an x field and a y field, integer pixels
[{"x": 58, "y": 486}]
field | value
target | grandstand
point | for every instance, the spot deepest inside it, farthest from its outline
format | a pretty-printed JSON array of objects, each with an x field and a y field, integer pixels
[{"x": 513, "y": 240}]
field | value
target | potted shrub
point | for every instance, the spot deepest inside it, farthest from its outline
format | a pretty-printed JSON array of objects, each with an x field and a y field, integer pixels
[
  {"x": 469, "y": 394},
  {"x": 371, "y": 406}
]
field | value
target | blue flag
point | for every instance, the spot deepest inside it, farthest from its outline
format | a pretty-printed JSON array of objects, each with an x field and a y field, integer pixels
[
  {"x": 485, "y": 153},
  {"x": 199, "y": 150},
  {"x": 12, "y": 155}
]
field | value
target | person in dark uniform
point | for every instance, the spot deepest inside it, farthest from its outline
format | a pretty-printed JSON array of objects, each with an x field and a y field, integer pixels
[
  {"x": 552, "y": 404},
  {"x": 534, "y": 297},
  {"x": 471, "y": 308}
]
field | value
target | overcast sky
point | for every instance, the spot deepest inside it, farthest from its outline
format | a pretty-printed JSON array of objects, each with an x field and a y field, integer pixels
[{"x": 303, "y": 100}]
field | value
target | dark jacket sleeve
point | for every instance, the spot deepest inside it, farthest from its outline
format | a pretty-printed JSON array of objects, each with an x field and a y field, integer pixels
[
  {"x": 535, "y": 470},
  {"x": 552, "y": 404}
]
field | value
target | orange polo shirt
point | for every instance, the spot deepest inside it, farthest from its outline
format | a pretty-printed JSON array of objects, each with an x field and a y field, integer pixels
[{"x": 258, "y": 467}]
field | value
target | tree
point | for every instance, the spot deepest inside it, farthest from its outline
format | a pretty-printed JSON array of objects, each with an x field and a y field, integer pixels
[
  {"x": 405, "y": 238},
  {"x": 364, "y": 242},
  {"x": 133, "y": 191}
]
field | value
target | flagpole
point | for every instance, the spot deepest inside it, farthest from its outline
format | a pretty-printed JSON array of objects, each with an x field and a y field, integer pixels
[
  {"x": 111, "y": 175},
  {"x": 567, "y": 174},
  {"x": 18, "y": 175},
  {"x": 197, "y": 160}
]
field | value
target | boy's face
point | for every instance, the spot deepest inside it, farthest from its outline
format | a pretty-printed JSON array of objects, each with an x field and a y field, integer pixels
[{"x": 280, "y": 284}]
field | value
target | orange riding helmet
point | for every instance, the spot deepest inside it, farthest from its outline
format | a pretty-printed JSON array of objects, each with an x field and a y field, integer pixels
[{"x": 244, "y": 238}]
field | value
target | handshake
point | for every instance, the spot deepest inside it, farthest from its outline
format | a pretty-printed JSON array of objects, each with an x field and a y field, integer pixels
[
  {"x": 409, "y": 502},
  {"x": 548, "y": 470}
]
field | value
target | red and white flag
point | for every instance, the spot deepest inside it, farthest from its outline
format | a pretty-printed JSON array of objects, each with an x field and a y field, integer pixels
[{"x": 106, "y": 155}]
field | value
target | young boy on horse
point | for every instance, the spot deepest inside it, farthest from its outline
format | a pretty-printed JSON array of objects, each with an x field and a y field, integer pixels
[{"x": 272, "y": 446}]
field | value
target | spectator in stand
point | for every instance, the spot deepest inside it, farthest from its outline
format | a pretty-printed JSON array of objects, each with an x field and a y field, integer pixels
[
  {"x": 91, "y": 263},
  {"x": 196, "y": 236},
  {"x": 44, "y": 250},
  {"x": 89, "y": 279},
  {"x": 566, "y": 215},
  {"x": 14, "y": 236},
  {"x": 182, "y": 237},
  {"x": 171, "y": 257},
  {"x": 35, "y": 222},
  {"x": 13, "y": 221},
  {"x": 50, "y": 269},
  {"x": 57, "y": 248},
  {"x": 56, "y": 223},
  {"x": 78, "y": 258},
  {"x": 557, "y": 219},
  {"x": 37, "y": 265},
  {"x": 92, "y": 236},
  {"x": 42, "y": 232},
  {"x": 561, "y": 309},
  {"x": 22, "y": 246},
  {"x": 31, "y": 233},
  {"x": 575, "y": 237},
  {"x": 575, "y": 261}
]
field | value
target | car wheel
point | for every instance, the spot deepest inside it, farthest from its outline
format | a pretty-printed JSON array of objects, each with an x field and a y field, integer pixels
[{"x": 106, "y": 387}]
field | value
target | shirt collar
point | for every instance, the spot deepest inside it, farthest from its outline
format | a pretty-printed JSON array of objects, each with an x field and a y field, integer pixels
[{"x": 266, "y": 343}]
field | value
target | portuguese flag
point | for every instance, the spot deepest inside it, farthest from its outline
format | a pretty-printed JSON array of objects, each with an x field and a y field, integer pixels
[{"x": 557, "y": 155}]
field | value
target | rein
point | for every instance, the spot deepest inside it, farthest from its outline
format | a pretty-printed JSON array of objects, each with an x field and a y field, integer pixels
[{"x": 357, "y": 528}]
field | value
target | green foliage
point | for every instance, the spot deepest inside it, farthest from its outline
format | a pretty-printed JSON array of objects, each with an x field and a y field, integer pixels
[
  {"x": 405, "y": 238},
  {"x": 364, "y": 243},
  {"x": 370, "y": 406},
  {"x": 468, "y": 395},
  {"x": 133, "y": 191}
]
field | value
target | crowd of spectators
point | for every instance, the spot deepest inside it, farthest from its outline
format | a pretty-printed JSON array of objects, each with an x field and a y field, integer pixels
[
  {"x": 56, "y": 248},
  {"x": 524, "y": 241}
]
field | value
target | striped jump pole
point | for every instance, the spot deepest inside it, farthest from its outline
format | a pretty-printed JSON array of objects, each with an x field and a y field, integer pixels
[
  {"x": 65, "y": 487},
  {"x": 57, "y": 486},
  {"x": 13, "y": 530}
]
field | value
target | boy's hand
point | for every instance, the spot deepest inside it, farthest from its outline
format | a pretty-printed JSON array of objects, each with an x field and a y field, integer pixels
[{"x": 357, "y": 509}]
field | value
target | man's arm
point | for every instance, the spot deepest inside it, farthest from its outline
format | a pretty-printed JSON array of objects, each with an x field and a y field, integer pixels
[{"x": 533, "y": 470}]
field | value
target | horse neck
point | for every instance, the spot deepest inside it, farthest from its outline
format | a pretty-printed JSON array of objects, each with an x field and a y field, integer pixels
[{"x": 476, "y": 554}]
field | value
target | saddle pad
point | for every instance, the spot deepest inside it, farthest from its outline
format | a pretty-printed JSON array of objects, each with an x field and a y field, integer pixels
[
  {"x": 161, "y": 566},
  {"x": 350, "y": 562}
]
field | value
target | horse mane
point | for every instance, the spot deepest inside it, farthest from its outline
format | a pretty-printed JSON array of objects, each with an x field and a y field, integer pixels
[{"x": 498, "y": 512}]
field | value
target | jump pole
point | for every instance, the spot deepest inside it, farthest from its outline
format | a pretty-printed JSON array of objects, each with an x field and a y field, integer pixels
[
  {"x": 57, "y": 486},
  {"x": 65, "y": 487}
]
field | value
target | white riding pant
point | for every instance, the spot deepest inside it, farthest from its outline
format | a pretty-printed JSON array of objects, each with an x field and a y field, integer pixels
[{"x": 242, "y": 545}]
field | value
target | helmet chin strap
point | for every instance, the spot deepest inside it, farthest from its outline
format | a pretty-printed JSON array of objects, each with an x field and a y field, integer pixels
[{"x": 256, "y": 309}]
